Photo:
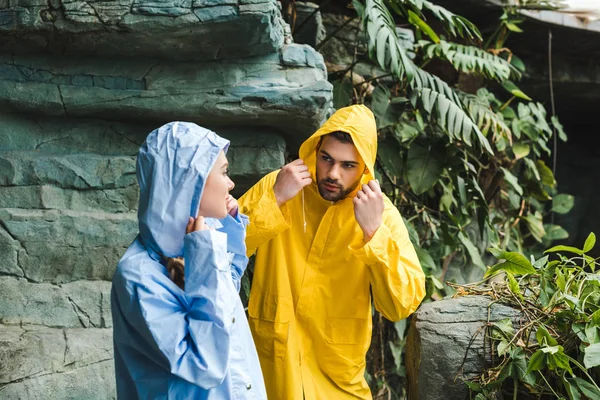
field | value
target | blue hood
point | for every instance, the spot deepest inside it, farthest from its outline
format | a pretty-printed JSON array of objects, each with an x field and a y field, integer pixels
[{"x": 172, "y": 167}]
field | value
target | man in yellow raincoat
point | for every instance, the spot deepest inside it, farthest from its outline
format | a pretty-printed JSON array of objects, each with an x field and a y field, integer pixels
[{"x": 327, "y": 241}]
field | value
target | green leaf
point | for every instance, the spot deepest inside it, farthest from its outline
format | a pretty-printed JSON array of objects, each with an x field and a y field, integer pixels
[
  {"x": 405, "y": 132},
  {"x": 426, "y": 260},
  {"x": 540, "y": 262},
  {"x": 591, "y": 356},
  {"x": 544, "y": 338},
  {"x": 517, "y": 63},
  {"x": 555, "y": 232},
  {"x": 425, "y": 165},
  {"x": 515, "y": 263},
  {"x": 537, "y": 361},
  {"x": 383, "y": 44},
  {"x": 514, "y": 90},
  {"x": 513, "y": 285},
  {"x": 455, "y": 24},
  {"x": 590, "y": 242},
  {"x": 422, "y": 25},
  {"x": 470, "y": 59},
  {"x": 512, "y": 180},
  {"x": 380, "y": 101},
  {"x": 521, "y": 150},
  {"x": 472, "y": 250},
  {"x": 569, "y": 249},
  {"x": 572, "y": 390},
  {"x": 440, "y": 100},
  {"x": 535, "y": 225},
  {"x": 588, "y": 390},
  {"x": 388, "y": 152},
  {"x": 342, "y": 93},
  {"x": 545, "y": 173},
  {"x": 558, "y": 126},
  {"x": 505, "y": 325},
  {"x": 513, "y": 28},
  {"x": 562, "y": 203},
  {"x": 503, "y": 347}
]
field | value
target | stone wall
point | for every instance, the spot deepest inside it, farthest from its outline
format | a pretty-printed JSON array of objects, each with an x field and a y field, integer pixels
[{"x": 81, "y": 85}]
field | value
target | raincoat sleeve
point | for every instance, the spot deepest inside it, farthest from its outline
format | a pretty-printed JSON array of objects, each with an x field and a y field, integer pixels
[
  {"x": 235, "y": 228},
  {"x": 397, "y": 280},
  {"x": 267, "y": 219},
  {"x": 193, "y": 339}
]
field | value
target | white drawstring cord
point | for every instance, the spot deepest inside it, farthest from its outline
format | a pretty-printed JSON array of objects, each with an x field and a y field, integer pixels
[{"x": 303, "y": 215}]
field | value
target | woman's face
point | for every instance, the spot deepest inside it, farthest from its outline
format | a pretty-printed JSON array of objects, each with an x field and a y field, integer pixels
[{"x": 214, "y": 198}]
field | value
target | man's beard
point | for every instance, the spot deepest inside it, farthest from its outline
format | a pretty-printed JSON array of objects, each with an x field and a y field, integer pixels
[{"x": 339, "y": 194}]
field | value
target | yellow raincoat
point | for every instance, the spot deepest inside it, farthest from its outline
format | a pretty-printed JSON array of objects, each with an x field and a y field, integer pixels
[{"x": 310, "y": 303}]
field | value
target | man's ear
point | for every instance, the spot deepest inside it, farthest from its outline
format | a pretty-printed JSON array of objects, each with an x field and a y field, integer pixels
[{"x": 366, "y": 171}]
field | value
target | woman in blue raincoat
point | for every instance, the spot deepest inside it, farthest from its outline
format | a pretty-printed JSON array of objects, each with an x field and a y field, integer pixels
[{"x": 180, "y": 331}]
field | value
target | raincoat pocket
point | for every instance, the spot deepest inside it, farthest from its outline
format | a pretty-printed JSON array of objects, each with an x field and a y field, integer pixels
[{"x": 269, "y": 317}]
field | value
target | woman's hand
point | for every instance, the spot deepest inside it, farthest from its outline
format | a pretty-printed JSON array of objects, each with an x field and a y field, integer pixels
[
  {"x": 232, "y": 206},
  {"x": 196, "y": 225}
]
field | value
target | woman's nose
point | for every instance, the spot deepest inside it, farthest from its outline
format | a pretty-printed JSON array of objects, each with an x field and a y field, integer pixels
[{"x": 231, "y": 185}]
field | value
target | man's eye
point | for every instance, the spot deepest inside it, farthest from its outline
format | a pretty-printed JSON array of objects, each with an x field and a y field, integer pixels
[
  {"x": 349, "y": 166},
  {"x": 325, "y": 158}
]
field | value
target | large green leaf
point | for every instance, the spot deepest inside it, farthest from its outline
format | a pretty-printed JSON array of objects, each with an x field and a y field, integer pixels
[
  {"x": 455, "y": 24},
  {"x": 472, "y": 250},
  {"x": 470, "y": 59},
  {"x": 440, "y": 101},
  {"x": 515, "y": 263},
  {"x": 592, "y": 355},
  {"x": 486, "y": 119},
  {"x": 425, "y": 164},
  {"x": 588, "y": 390},
  {"x": 384, "y": 45},
  {"x": 555, "y": 232},
  {"x": 388, "y": 152},
  {"x": 342, "y": 93},
  {"x": 562, "y": 203}
]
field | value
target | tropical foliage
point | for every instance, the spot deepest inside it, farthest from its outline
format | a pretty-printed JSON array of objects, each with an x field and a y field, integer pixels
[{"x": 554, "y": 349}]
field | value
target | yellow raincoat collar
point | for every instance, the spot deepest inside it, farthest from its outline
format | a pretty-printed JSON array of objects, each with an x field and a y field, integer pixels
[{"x": 356, "y": 120}]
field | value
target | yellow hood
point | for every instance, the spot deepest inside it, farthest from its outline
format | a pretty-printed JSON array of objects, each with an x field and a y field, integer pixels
[{"x": 358, "y": 121}]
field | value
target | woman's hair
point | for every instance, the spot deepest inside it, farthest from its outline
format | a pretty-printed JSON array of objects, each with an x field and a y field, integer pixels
[{"x": 175, "y": 267}]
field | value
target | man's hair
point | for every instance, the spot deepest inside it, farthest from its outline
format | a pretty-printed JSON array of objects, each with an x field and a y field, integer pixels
[{"x": 343, "y": 137}]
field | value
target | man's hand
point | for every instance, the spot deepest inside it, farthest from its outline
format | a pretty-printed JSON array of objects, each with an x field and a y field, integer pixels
[
  {"x": 368, "y": 209},
  {"x": 196, "y": 224},
  {"x": 232, "y": 206},
  {"x": 290, "y": 180}
]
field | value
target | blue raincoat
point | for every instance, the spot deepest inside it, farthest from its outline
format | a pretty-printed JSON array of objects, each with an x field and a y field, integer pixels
[{"x": 171, "y": 343}]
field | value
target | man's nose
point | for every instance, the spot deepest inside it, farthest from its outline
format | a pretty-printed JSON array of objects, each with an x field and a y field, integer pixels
[{"x": 334, "y": 172}]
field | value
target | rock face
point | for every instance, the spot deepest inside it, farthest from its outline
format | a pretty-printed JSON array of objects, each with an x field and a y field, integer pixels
[
  {"x": 446, "y": 343},
  {"x": 82, "y": 83}
]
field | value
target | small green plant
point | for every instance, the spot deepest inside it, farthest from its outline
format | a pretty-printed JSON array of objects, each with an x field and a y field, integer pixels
[{"x": 553, "y": 351}]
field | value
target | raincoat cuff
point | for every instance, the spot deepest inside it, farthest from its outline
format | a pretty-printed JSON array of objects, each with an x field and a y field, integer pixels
[
  {"x": 205, "y": 251},
  {"x": 281, "y": 215},
  {"x": 239, "y": 221},
  {"x": 373, "y": 251}
]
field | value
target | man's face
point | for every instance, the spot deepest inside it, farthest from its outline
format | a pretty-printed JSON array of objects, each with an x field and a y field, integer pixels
[{"x": 339, "y": 168}]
